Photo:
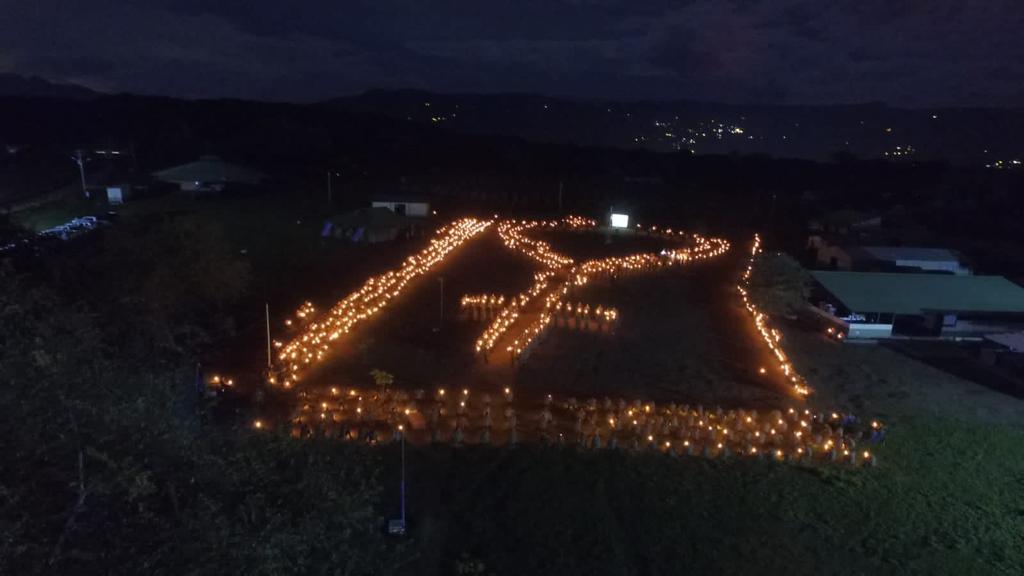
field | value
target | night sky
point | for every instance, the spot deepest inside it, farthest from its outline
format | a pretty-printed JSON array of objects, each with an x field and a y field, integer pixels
[{"x": 902, "y": 52}]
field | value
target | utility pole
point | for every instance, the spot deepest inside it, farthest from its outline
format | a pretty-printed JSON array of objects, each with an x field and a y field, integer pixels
[
  {"x": 403, "y": 480},
  {"x": 131, "y": 150},
  {"x": 396, "y": 527},
  {"x": 270, "y": 361},
  {"x": 80, "y": 160},
  {"x": 330, "y": 190},
  {"x": 441, "y": 317},
  {"x": 560, "y": 186},
  {"x": 200, "y": 387}
]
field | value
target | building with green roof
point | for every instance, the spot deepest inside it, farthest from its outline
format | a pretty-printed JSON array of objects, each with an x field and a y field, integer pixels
[{"x": 882, "y": 304}]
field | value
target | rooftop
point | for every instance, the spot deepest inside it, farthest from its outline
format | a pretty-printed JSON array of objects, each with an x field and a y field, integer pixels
[
  {"x": 1012, "y": 340},
  {"x": 370, "y": 218},
  {"x": 399, "y": 197},
  {"x": 897, "y": 293},
  {"x": 893, "y": 253}
]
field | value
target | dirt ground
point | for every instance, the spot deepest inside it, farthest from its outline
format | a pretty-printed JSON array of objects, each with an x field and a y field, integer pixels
[
  {"x": 681, "y": 335},
  {"x": 945, "y": 497}
]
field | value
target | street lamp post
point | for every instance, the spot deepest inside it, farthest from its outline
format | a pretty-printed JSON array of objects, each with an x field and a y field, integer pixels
[
  {"x": 440, "y": 323},
  {"x": 80, "y": 160},
  {"x": 331, "y": 175},
  {"x": 403, "y": 481},
  {"x": 270, "y": 359},
  {"x": 396, "y": 526}
]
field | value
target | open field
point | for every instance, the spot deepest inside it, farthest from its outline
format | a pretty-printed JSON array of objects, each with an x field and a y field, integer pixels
[
  {"x": 680, "y": 338},
  {"x": 947, "y": 496},
  {"x": 703, "y": 351},
  {"x": 877, "y": 379},
  {"x": 37, "y": 218},
  {"x": 947, "y": 499}
]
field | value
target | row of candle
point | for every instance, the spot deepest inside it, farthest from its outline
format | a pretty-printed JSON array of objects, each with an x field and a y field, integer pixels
[
  {"x": 791, "y": 434},
  {"x": 531, "y": 331},
  {"x": 306, "y": 310},
  {"x": 315, "y": 340},
  {"x": 578, "y": 308},
  {"x": 485, "y": 300},
  {"x": 598, "y": 312},
  {"x": 510, "y": 313},
  {"x": 771, "y": 336},
  {"x": 513, "y": 234},
  {"x": 580, "y": 274},
  {"x": 578, "y": 222},
  {"x": 313, "y": 344}
]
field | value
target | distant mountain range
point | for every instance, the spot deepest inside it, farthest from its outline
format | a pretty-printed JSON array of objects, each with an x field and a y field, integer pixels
[
  {"x": 35, "y": 87},
  {"x": 978, "y": 136},
  {"x": 981, "y": 137}
]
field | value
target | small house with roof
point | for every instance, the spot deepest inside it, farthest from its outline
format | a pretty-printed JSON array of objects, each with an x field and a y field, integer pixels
[
  {"x": 891, "y": 259},
  {"x": 403, "y": 204},
  {"x": 369, "y": 225},
  {"x": 927, "y": 259}
]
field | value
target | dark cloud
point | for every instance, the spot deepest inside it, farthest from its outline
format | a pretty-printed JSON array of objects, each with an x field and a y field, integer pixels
[{"x": 917, "y": 52}]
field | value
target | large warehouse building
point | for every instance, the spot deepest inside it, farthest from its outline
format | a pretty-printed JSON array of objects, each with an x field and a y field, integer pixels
[{"x": 886, "y": 305}]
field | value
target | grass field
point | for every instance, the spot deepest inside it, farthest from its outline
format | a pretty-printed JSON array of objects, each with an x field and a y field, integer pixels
[
  {"x": 680, "y": 338},
  {"x": 947, "y": 499},
  {"x": 947, "y": 496},
  {"x": 39, "y": 217}
]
